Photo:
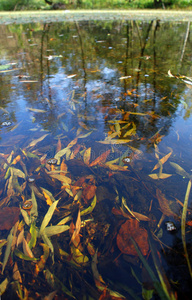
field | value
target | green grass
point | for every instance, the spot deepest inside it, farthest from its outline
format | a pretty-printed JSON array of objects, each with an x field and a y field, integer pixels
[{"x": 10, "y": 5}]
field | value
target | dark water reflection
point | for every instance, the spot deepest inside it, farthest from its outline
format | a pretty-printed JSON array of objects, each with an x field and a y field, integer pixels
[{"x": 96, "y": 80}]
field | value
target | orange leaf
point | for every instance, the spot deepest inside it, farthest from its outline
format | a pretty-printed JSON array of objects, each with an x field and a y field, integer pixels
[
  {"x": 75, "y": 239},
  {"x": 162, "y": 160},
  {"x": 89, "y": 192},
  {"x": 100, "y": 159},
  {"x": 131, "y": 229}
]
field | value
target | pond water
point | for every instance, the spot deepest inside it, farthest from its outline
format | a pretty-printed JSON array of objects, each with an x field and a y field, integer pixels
[{"x": 96, "y": 115}]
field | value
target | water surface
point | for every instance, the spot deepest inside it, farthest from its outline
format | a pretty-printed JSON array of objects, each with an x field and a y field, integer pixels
[{"x": 116, "y": 95}]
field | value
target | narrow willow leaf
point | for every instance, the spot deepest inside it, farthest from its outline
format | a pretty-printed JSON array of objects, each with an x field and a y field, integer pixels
[
  {"x": 8, "y": 248},
  {"x": 65, "y": 220},
  {"x": 48, "y": 216},
  {"x": 52, "y": 230},
  {"x": 164, "y": 204},
  {"x": 33, "y": 232},
  {"x": 128, "y": 209},
  {"x": 82, "y": 136},
  {"x": 156, "y": 283},
  {"x": 48, "y": 196},
  {"x": 18, "y": 173},
  {"x": 34, "y": 142},
  {"x": 27, "y": 251},
  {"x": 162, "y": 160},
  {"x": 25, "y": 216},
  {"x": 183, "y": 222},
  {"x": 34, "y": 209},
  {"x": 47, "y": 241},
  {"x": 164, "y": 175},
  {"x": 89, "y": 209},
  {"x": 21, "y": 255},
  {"x": 154, "y": 176},
  {"x": 87, "y": 155},
  {"x": 3, "y": 286},
  {"x": 179, "y": 170},
  {"x": 114, "y": 141},
  {"x": 163, "y": 279}
]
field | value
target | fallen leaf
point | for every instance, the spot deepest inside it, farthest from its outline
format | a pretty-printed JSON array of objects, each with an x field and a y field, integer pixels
[
  {"x": 164, "y": 204},
  {"x": 8, "y": 217},
  {"x": 131, "y": 229},
  {"x": 100, "y": 159}
]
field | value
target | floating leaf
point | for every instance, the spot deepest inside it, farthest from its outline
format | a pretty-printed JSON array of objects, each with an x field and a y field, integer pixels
[{"x": 35, "y": 109}]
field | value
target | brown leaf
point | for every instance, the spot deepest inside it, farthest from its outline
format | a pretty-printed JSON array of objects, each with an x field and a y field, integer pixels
[
  {"x": 89, "y": 192},
  {"x": 58, "y": 146},
  {"x": 164, "y": 204},
  {"x": 8, "y": 217},
  {"x": 100, "y": 159},
  {"x": 131, "y": 229},
  {"x": 75, "y": 239}
]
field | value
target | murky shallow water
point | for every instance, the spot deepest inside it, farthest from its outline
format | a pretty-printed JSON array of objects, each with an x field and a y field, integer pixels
[{"x": 103, "y": 92}]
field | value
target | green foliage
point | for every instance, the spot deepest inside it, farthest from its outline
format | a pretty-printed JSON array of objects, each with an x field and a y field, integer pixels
[{"x": 10, "y": 5}]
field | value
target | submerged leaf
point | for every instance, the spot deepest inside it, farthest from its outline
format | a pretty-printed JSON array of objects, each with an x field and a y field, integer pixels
[
  {"x": 101, "y": 159},
  {"x": 164, "y": 204},
  {"x": 8, "y": 217},
  {"x": 57, "y": 229},
  {"x": 131, "y": 229},
  {"x": 179, "y": 170},
  {"x": 48, "y": 216},
  {"x": 34, "y": 142}
]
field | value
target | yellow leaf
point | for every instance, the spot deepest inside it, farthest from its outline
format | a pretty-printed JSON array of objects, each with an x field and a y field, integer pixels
[
  {"x": 47, "y": 197},
  {"x": 87, "y": 155},
  {"x": 162, "y": 160},
  {"x": 154, "y": 176},
  {"x": 116, "y": 168},
  {"x": 164, "y": 175},
  {"x": 114, "y": 141}
]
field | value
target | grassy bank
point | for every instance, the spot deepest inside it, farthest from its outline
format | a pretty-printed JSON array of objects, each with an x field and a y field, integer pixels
[{"x": 10, "y": 5}]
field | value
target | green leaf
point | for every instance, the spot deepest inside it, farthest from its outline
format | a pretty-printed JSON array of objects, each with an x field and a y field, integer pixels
[
  {"x": 33, "y": 232},
  {"x": 89, "y": 209},
  {"x": 21, "y": 255},
  {"x": 183, "y": 222},
  {"x": 156, "y": 283},
  {"x": 8, "y": 248},
  {"x": 48, "y": 216},
  {"x": 52, "y": 230},
  {"x": 3, "y": 286}
]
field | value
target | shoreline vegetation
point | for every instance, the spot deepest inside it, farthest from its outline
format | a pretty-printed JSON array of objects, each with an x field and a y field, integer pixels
[
  {"x": 21, "y": 17},
  {"x": 23, "y": 5}
]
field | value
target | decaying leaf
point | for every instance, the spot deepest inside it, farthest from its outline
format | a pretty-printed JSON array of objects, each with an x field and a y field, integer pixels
[
  {"x": 132, "y": 229},
  {"x": 48, "y": 216},
  {"x": 87, "y": 155},
  {"x": 179, "y": 170},
  {"x": 8, "y": 217},
  {"x": 101, "y": 159},
  {"x": 164, "y": 204}
]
